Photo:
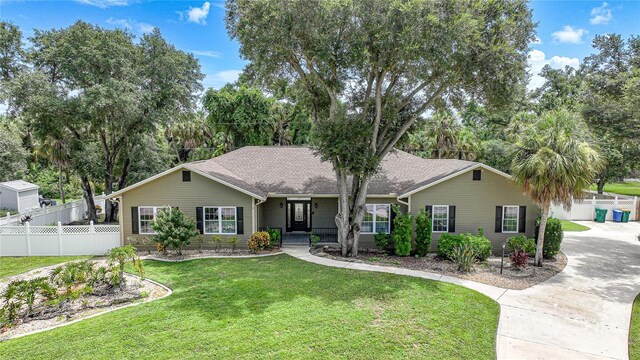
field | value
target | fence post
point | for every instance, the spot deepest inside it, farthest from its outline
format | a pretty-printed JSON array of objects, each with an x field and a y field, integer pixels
[
  {"x": 615, "y": 203},
  {"x": 92, "y": 236},
  {"x": 28, "y": 238},
  {"x": 593, "y": 207},
  {"x": 59, "y": 238}
]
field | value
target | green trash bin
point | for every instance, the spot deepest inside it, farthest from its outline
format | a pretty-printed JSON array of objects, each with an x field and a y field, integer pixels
[
  {"x": 601, "y": 215},
  {"x": 625, "y": 215}
]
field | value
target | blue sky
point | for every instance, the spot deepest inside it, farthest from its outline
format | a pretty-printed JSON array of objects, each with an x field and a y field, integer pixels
[{"x": 565, "y": 28}]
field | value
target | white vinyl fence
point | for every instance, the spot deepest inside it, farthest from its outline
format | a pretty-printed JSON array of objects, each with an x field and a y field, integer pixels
[
  {"x": 585, "y": 209},
  {"x": 58, "y": 240},
  {"x": 64, "y": 213}
]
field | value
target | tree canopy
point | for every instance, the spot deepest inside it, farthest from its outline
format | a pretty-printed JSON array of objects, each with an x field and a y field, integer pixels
[
  {"x": 100, "y": 92},
  {"x": 372, "y": 68}
]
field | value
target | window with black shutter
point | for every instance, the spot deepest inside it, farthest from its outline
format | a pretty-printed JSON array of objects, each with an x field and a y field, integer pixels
[{"x": 477, "y": 175}]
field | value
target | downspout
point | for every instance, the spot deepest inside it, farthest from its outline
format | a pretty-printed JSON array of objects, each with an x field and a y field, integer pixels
[
  {"x": 120, "y": 218},
  {"x": 408, "y": 204},
  {"x": 254, "y": 211}
]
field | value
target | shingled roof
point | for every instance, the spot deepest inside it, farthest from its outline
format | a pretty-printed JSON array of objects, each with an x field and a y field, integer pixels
[{"x": 295, "y": 170}]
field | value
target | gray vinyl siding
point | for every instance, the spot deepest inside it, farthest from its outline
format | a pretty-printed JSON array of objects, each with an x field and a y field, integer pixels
[
  {"x": 476, "y": 203},
  {"x": 170, "y": 190},
  {"x": 270, "y": 214}
]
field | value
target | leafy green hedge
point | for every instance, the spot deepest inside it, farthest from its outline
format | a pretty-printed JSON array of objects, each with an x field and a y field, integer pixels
[
  {"x": 423, "y": 233},
  {"x": 553, "y": 235},
  {"x": 480, "y": 245},
  {"x": 401, "y": 234}
]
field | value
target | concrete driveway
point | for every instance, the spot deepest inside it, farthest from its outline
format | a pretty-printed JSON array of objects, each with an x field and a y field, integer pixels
[{"x": 583, "y": 312}]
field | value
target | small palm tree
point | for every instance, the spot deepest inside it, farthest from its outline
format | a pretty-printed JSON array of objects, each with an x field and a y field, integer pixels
[{"x": 553, "y": 161}]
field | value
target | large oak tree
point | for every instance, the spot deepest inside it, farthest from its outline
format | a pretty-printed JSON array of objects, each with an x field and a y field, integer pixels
[
  {"x": 102, "y": 93},
  {"x": 372, "y": 68}
]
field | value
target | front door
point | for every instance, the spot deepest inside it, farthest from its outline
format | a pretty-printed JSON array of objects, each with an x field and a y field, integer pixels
[{"x": 299, "y": 212}]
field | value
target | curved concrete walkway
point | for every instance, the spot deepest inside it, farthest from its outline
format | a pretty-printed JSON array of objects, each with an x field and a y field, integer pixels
[{"x": 581, "y": 313}]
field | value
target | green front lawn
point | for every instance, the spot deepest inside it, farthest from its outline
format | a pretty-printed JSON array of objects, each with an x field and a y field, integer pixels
[
  {"x": 10, "y": 266},
  {"x": 625, "y": 188},
  {"x": 634, "y": 331},
  {"x": 280, "y": 307},
  {"x": 571, "y": 226}
]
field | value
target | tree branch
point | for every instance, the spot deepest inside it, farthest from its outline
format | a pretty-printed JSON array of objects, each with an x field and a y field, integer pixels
[{"x": 391, "y": 142}]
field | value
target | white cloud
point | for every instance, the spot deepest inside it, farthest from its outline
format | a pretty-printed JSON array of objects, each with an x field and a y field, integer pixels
[
  {"x": 136, "y": 27},
  {"x": 601, "y": 15},
  {"x": 221, "y": 78},
  {"x": 196, "y": 15},
  {"x": 537, "y": 40},
  {"x": 537, "y": 60},
  {"x": 103, "y": 4},
  {"x": 568, "y": 34},
  {"x": 207, "y": 53}
]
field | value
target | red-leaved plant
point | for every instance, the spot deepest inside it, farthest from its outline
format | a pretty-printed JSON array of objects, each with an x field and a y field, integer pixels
[{"x": 519, "y": 259}]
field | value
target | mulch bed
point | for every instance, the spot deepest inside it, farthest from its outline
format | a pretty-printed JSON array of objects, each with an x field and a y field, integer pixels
[
  {"x": 487, "y": 272},
  {"x": 46, "y": 317},
  {"x": 196, "y": 254}
]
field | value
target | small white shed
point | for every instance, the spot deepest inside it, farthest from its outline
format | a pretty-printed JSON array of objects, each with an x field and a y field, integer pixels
[{"x": 19, "y": 195}]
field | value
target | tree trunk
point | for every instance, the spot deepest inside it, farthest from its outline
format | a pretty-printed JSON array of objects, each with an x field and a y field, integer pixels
[
  {"x": 108, "y": 189},
  {"x": 541, "y": 231},
  {"x": 352, "y": 207},
  {"x": 601, "y": 183},
  {"x": 61, "y": 184},
  {"x": 88, "y": 197}
]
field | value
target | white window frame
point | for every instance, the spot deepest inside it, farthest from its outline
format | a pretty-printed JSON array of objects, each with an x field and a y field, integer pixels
[
  {"x": 433, "y": 212},
  {"x": 204, "y": 221},
  {"x": 155, "y": 216},
  {"x": 374, "y": 219},
  {"x": 504, "y": 211}
]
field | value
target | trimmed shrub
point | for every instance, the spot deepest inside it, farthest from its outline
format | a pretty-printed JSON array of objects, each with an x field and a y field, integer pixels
[
  {"x": 480, "y": 245},
  {"x": 275, "y": 237},
  {"x": 233, "y": 242},
  {"x": 552, "y": 237},
  {"x": 217, "y": 242},
  {"x": 382, "y": 241},
  {"x": 402, "y": 233},
  {"x": 174, "y": 230},
  {"x": 423, "y": 233},
  {"x": 464, "y": 256},
  {"x": 521, "y": 242},
  {"x": 314, "y": 239},
  {"x": 259, "y": 240}
]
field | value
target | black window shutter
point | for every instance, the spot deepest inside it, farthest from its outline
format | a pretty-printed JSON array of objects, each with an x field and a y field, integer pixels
[
  {"x": 199, "y": 219},
  {"x": 522, "y": 219},
  {"x": 392, "y": 219},
  {"x": 240, "y": 220},
  {"x": 186, "y": 176},
  {"x": 429, "y": 210},
  {"x": 134, "y": 220},
  {"x": 498, "y": 219},
  {"x": 452, "y": 218}
]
